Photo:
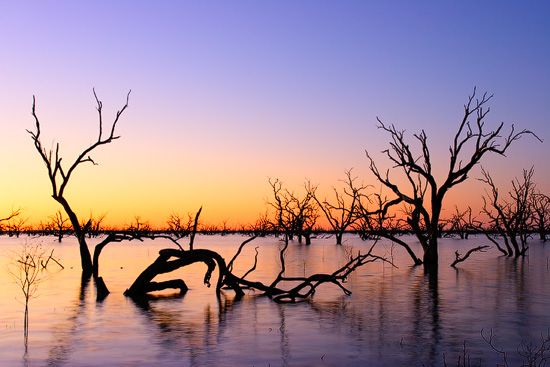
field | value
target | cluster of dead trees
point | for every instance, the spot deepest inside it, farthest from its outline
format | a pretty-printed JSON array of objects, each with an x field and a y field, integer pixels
[
  {"x": 415, "y": 207},
  {"x": 522, "y": 213},
  {"x": 178, "y": 228}
]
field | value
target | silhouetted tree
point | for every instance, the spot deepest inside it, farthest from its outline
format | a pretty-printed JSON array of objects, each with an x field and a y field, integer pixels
[
  {"x": 261, "y": 227},
  {"x": 294, "y": 216},
  {"x": 342, "y": 213},
  {"x": 376, "y": 221},
  {"x": 60, "y": 175},
  {"x": 16, "y": 225},
  {"x": 59, "y": 225},
  {"x": 178, "y": 226},
  {"x": 93, "y": 226},
  {"x": 540, "y": 204},
  {"x": 511, "y": 218},
  {"x": 461, "y": 223},
  {"x": 424, "y": 194},
  {"x": 308, "y": 214},
  {"x": 25, "y": 270},
  {"x": 139, "y": 227},
  {"x": 4, "y": 221}
]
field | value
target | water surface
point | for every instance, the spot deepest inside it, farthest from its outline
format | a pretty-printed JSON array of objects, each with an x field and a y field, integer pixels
[{"x": 395, "y": 316}]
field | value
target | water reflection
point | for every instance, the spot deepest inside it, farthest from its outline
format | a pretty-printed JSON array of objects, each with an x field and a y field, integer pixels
[
  {"x": 406, "y": 316},
  {"x": 425, "y": 306},
  {"x": 65, "y": 333}
]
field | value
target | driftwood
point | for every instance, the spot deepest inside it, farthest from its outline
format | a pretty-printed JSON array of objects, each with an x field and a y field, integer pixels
[{"x": 172, "y": 259}]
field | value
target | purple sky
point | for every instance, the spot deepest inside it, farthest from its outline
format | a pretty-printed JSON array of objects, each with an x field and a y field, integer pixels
[{"x": 226, "y": 94}]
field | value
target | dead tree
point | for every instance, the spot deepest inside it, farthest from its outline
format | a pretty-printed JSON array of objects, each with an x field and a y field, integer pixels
[
  {"x": 17, "y": 225},
  {"x": 540, "y": 203},
  {"x": 26, "y": 272},
  {"x": 376, "y": 221},
  {"x": 172, "y": 259},
  {"x": 262, "y": 226},
  {"x": 60, "y": 175},
  {"x": 308, "y": 214},
  {"x": 94, "y": 225},
  {"x": 461, "y": 223},
  {"x": 13, "y": 214},
  {"x": 424, "y": 194},
  {"x": 138, "y": 227},
  {"x": 510, "y": 218},
  {"x": 178, "y": 226},
  {"x": 342, "y": 214},
  {"x": 59, "y": 225},
  {"x": 294, "y": 216}
]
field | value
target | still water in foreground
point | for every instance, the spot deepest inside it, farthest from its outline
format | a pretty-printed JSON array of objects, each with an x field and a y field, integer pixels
[{"x": 395, "y": 316}]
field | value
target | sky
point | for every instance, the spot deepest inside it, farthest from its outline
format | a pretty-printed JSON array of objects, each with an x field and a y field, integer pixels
[{"x": 227, "y": 94}]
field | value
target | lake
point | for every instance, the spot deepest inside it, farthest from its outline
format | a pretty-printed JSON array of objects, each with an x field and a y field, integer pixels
[{"x": 394, "y": 317}]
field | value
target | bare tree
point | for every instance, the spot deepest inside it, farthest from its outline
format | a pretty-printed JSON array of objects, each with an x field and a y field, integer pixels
[
  {"x": 60, "y": 175},
  {"x": 26, "y": 272},
  {"x": 461, "y": 223},
  {"x": 424, "y": 194},
  {"x": 510, "y": 218},
  {"x": 263, "y": 226},
  {"x": 43, "y": 228},
  {"x": 308, "y": 214},
  {"x": 294, "y": 216},
  {"x": 139, "y": 227},
  {"x": 540, "y": 204},
  {"x": 178, "y": 226},
  {"x": 342, "y": 213},
  {"x": 59, "y": 225},
  {"x": 376, "y": 221},
  {"x": 16, "y": 225},
  {"x": 12, "y": 215},
  {"x": 93, "y": 226}
]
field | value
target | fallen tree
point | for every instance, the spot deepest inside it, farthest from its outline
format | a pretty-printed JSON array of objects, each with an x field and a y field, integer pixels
[{"x": 304, "y": 287}]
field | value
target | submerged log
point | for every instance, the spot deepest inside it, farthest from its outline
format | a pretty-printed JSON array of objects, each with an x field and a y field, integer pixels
[{"x": 163, "y": 264}]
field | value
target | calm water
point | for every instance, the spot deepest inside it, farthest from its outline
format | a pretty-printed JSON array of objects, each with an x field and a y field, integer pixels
[{"x": 395, "y": 317}]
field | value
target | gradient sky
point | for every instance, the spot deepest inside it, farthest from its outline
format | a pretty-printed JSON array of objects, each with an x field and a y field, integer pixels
[{"x": 228, "y": 93}]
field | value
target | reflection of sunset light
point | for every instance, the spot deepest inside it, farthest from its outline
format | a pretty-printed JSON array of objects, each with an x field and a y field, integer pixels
[{"x": 387, "y": 305}]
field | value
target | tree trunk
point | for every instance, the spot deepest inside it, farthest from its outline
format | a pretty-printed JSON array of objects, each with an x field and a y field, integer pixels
[
  {"x": 430, "y": 253},
  {"x": 339, "y": 238},
  {"x": 85, "y": 257},
  {"x": 143, "y": 284}
]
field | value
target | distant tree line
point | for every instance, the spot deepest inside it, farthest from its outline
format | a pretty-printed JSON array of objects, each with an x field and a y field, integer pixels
[{"x": 522, "y": 213}]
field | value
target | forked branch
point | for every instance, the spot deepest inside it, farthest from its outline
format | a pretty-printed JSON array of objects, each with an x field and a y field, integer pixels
[
  {"x": 53, "y": 160},
  {"x": 172, "y": 259},
  {"x": 460, "y": 258}
]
